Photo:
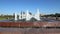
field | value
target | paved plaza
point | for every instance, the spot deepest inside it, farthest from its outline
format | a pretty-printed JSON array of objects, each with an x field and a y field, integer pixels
[{"x": 29, "y": 31}]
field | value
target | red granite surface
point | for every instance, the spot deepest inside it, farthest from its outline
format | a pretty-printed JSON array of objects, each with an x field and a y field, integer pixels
[{"x": 30, "y": 24}]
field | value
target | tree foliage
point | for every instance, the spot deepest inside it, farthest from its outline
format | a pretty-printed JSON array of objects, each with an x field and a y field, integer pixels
[{"x": 53, "y": 15}]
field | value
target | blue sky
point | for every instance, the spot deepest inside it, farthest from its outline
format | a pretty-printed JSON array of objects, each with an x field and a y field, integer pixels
[{"x": 45, "y": 6}]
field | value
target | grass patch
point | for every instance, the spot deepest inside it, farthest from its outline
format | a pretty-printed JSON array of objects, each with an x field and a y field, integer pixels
[{"x": 1, "y": 18}]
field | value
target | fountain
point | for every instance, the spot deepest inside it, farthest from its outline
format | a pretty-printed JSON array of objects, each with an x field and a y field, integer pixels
[
  {"x": 28, "y": 16},
  {"x": 24, "y": 20}
]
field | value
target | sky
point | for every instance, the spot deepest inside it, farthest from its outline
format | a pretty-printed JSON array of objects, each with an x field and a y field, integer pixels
[{"x": 45, "y": 6}]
